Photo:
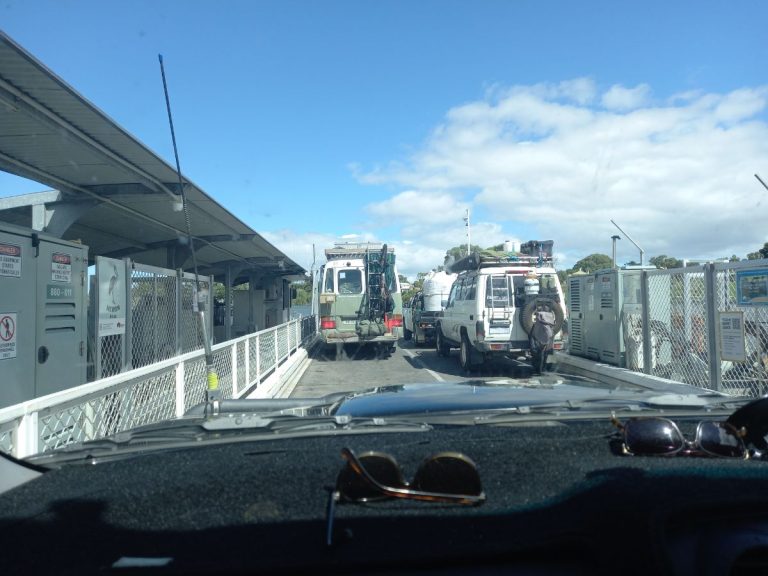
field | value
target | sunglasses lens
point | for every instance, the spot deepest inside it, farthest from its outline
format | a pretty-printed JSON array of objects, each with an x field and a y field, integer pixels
[
  {"x": 448, "y": 473},
  {"x": 382, "y": 467},
  {"x": 652, "y": 436},
  {"x": 720, "y": 439}
]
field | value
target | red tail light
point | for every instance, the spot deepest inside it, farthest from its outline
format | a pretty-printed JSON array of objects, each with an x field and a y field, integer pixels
[
  {"x": 327, "y": 323},
  {"x": 396, "y": 320}
]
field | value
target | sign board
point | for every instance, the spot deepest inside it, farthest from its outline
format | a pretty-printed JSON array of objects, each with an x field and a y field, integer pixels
[
  {"x": 752, "y": 287},
  {"x": 61, "y": 268},
  {"x": 732, "y": 339},
  {"x": 10, "y": 260},
  {"x": 7, "y": 335},
  {"x": 112, "y": 301}
]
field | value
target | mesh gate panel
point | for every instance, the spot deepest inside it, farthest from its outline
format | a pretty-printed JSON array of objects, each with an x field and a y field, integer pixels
[
  {"x": 749, "y": 378},
  {"x": 153, "y": 314},
  {"x": 678, "y": 312}
]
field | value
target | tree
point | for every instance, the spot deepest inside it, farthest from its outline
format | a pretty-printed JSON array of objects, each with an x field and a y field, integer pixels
[
  {"x": 592, "y": 263},
  {"x": 664, "y": 261},
  {"x": 760, "y": 254}
]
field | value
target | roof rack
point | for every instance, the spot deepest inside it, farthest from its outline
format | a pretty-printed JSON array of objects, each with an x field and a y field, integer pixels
[
  {"x": 532, "y": 253},
  {"x": 354, "y": 249}
]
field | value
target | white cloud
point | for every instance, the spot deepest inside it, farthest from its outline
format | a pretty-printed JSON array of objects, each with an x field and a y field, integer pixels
[
  {"x": 621, "y": 98},
  {"x": 677, "y": 175}
]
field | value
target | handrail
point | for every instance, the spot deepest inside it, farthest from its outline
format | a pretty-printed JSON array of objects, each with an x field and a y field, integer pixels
[{"x": 148, "y": 394}]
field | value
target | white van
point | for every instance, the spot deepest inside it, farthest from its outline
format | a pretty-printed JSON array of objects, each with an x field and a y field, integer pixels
[{"x": 492, "y": 304}]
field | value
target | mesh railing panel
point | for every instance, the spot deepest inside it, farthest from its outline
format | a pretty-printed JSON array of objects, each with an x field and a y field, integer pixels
[
  {"x": 282, "y": 343},
  {"x": 195, "y": 383},
  {"x": 242, "y": 377},
  {"x": 8, "y": 436},
  {"x": 267, "y": 353},
  {"x": 142, "y": 402},
  {"x": 222, "y": 361},
  {"x": 253, "y": 362}
]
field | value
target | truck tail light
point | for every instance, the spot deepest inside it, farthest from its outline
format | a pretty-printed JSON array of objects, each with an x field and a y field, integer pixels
[
  {"x": 394, "y": 321},
  {"x": 327, "y": 323},
  {"x": 480, "y": 330}
]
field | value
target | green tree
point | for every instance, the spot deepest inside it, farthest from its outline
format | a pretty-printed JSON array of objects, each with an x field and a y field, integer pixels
[
  {"x": 592, "y": 263},
  {"x": 664, "y": 261},
  {"x": 303, "y": 291},
  {"x": 760, "y": 254}
]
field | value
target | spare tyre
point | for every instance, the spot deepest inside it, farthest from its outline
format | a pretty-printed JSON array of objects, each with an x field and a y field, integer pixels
[{"x": 526, "y": 315}]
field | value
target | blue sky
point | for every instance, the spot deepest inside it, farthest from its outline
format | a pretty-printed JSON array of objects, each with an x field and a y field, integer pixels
[{"x": 314, "y": 120}]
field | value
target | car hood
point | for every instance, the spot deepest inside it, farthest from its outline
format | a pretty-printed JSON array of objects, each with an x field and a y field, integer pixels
[{"x": 517, "y": 394}]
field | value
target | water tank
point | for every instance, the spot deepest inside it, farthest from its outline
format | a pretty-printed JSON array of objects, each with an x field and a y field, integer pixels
[{"x": 436, "y": 287}]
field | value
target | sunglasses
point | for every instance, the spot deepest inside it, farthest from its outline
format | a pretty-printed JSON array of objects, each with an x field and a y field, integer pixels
[
  {"x": 447, "y": 477},
  {"x": 662, "y": 437}
]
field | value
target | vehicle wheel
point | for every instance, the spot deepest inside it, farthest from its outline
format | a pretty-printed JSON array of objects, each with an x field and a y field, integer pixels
[
  {"x": 442, "y": 348},
  {"x": 407, "y": 334},
  {"x": 465, "y": 354},
  {"x": 526, "y": 314}
]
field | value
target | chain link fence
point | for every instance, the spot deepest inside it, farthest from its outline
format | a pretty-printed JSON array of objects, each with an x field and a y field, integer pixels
[
  {"x": 160, "y": 322},
  {"x": 708, "y": 326}
]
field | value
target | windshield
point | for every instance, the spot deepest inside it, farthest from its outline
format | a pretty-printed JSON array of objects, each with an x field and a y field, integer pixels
[{"x": 280, "y": 229}]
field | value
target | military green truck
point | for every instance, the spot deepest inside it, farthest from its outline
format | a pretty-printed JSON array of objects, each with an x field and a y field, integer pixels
[{"x": 359, "y": 297}]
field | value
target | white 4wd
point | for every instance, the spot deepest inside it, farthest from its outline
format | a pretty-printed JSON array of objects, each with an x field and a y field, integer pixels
[{"x": 493, "y": 303}]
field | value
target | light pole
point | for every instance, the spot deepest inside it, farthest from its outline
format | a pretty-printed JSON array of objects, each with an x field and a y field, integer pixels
[{"x": 469, "y": 237}]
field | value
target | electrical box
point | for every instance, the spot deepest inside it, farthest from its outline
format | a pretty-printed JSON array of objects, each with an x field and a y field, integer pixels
[
  {"x": 43, "y": 314},
  {"x": 601, "y": 306}
]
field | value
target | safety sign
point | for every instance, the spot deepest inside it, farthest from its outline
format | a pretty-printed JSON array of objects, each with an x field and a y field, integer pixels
[
  {"x": 61, "y": 268},
  {"x": 10, "y": 260},
  {"x": 7, "y": 336}
]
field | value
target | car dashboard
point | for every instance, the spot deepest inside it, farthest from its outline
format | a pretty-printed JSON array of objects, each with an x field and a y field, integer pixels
[{"x": 561, "y": 499}]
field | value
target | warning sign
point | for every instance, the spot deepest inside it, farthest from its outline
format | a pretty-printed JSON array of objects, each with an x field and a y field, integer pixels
[
  {"x": 10, "y": 260},
  {"x": 7, "y": 336},
  {"x": 61, "y": 268}
]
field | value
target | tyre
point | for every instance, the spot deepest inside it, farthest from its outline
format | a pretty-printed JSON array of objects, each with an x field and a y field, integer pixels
[
  {"x": 442, "y": 348},
  {"x": 465, "y": 354},
  {"x": 526, "y": 314}
]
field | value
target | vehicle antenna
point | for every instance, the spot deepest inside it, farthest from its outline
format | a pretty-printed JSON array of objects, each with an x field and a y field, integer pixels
[{"x": 212, "y": 396}]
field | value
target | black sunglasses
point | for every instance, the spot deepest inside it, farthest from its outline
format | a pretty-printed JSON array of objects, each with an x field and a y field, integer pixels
[
  {"x": 447, "y": 477},
  {"x": 662, "y": 437}
]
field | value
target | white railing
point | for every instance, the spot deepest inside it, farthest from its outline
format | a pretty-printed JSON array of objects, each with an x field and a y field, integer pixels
[{"x": 249, "y": 365}]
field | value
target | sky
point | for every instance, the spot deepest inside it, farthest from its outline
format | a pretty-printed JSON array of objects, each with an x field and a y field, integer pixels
[{"x": 323, "y": 121}]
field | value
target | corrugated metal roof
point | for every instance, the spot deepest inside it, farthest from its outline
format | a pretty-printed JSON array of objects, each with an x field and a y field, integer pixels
[{"x": 121, "y": 198}]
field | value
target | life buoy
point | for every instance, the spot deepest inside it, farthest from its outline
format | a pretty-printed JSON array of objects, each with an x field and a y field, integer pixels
[{"x": 526, "y": 315}]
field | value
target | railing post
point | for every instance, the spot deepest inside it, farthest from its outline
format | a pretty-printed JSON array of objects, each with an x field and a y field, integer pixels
[
  {"x": 247, "y": 361},
  {"x": 258, "y": 357},
  {"x": 234, "y": 369},
  {"x": 714, "y": 345},
  {"x": 28, "y": 439},
  {"x": 646, "y": 312},
  {"x": 180, "y": 403}
]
